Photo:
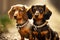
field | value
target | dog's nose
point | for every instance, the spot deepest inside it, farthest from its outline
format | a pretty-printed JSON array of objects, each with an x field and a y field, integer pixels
[
  {"x": 37, "y": 13},
  {"x": 36, "y": 16},
  {"x": 15, "y": 17}
]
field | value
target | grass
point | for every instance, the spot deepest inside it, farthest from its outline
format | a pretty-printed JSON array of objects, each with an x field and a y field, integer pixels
[{"x": 4, "y": 20}]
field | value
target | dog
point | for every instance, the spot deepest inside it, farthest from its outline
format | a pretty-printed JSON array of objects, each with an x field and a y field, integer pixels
[
  {"x": 41, "y": 31},
  {"x": 18, "y": 12}
]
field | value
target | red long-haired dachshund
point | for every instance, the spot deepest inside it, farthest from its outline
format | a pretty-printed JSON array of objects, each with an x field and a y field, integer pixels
[{"x": 18, "y": 12}]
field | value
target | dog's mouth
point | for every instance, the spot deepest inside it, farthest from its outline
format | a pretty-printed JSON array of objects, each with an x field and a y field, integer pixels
[
  {"x": 15, "y": 17},
  {"x": 19, "y": 18},
  {"x": 37, "y": 18}
]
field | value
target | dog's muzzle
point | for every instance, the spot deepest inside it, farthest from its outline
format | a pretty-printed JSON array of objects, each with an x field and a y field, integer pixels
[
  {"x": 36, "y": 14},
  {"x": 15, "y": 17}
]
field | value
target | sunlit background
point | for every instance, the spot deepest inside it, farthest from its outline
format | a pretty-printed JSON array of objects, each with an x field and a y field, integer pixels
[{"x": 53, "y": 5}]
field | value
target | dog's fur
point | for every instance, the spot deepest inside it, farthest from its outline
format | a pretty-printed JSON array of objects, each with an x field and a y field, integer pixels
[
  {"x": 42, "y": 31},
  {"x": 18, "y": 12}
]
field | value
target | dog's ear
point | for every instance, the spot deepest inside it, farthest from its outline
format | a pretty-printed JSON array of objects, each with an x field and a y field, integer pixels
[
  {"x": 29, "y": 13},
  {"x": 11, "y": 12},
  {"x": 44, "y": 6},
  {"x": 24, "y": 8},
  {"x": 47, "y": 14}
]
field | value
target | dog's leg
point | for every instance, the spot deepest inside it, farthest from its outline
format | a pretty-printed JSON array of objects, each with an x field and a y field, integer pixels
[
  {"x": 31, "y": 37},
  {"x": 47, "y": 39},
  {"x": 22, "y": 38},
  {"x": 56, "y": 37}
]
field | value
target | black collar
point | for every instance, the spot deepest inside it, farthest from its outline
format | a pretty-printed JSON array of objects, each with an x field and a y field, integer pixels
[
  {"x": 21, "y": 25},
  {"x": 45, "y": 23}
]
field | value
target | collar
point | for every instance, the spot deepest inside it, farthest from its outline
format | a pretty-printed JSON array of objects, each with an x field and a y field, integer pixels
[
  {"x": 41, "y": 25},
  {"x": 22, "y": 24}
]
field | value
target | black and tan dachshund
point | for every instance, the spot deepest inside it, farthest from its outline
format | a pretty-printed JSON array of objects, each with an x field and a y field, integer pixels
[{"x": 41, "y": 31}]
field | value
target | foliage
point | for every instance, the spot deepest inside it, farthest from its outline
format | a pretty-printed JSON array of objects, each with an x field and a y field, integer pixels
[{"x": 4, "y": 20}]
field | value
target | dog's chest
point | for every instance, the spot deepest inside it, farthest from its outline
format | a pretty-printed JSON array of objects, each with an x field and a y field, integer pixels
[
  {"x": 25, "y": 30},
  {"x": 42, "y": 31}
]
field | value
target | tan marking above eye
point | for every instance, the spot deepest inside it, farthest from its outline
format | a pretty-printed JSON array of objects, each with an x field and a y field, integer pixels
[
  {"x": 34, "y": 7},
  {"x": 40, "y": 8}
]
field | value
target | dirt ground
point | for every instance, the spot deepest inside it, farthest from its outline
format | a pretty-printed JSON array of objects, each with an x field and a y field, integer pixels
[{"x": 11, "y": 35}]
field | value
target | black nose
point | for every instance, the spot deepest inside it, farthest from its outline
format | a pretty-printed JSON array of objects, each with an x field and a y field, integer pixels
[
  {"x": 36, "y": 16},
  {"x": 15, "y": 17}
]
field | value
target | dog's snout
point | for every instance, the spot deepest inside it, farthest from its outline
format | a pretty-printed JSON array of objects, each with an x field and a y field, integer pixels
[
  {"x": 36, "y": 16},
  {"x": 37, "y": 13},
  {"x": 15, "y": 17},
  {"x": 16, "y": 12}
]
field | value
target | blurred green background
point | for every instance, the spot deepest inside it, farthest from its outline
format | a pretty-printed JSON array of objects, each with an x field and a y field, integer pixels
[{"x": 4, "y": 21}]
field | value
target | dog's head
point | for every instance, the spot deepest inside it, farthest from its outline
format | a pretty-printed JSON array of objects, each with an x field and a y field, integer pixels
[
  {"x": 18, "y": 12},
  {"x": 39, "y": 12}
]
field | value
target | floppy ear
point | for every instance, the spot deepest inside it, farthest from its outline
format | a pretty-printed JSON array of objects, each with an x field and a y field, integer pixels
[
  {"x": 25, "y": 9},
  {"x": 11, "y": 13},
  {"x": 29, "y": 13},
  {"x": 44, "y": 7},
  {"x": 47, "y": 14}
]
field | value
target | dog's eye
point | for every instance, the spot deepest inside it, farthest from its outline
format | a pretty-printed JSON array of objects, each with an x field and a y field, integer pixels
[
  {"x": 34, "y": 8},
  {"x": 41, "y": 10}
]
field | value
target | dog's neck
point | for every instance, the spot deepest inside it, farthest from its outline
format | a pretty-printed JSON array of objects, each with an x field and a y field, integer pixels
[
  {"x": 21, "y": 21},
  {"x": 42, "y": 24},
  {"x": 39, "y": 22},
  {"x": 22, "y": 25}
]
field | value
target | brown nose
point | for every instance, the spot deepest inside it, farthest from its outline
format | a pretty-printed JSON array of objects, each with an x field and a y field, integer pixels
[
  {"x": 15, "y": 17},
  {"x": 36, "y": 16}
]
